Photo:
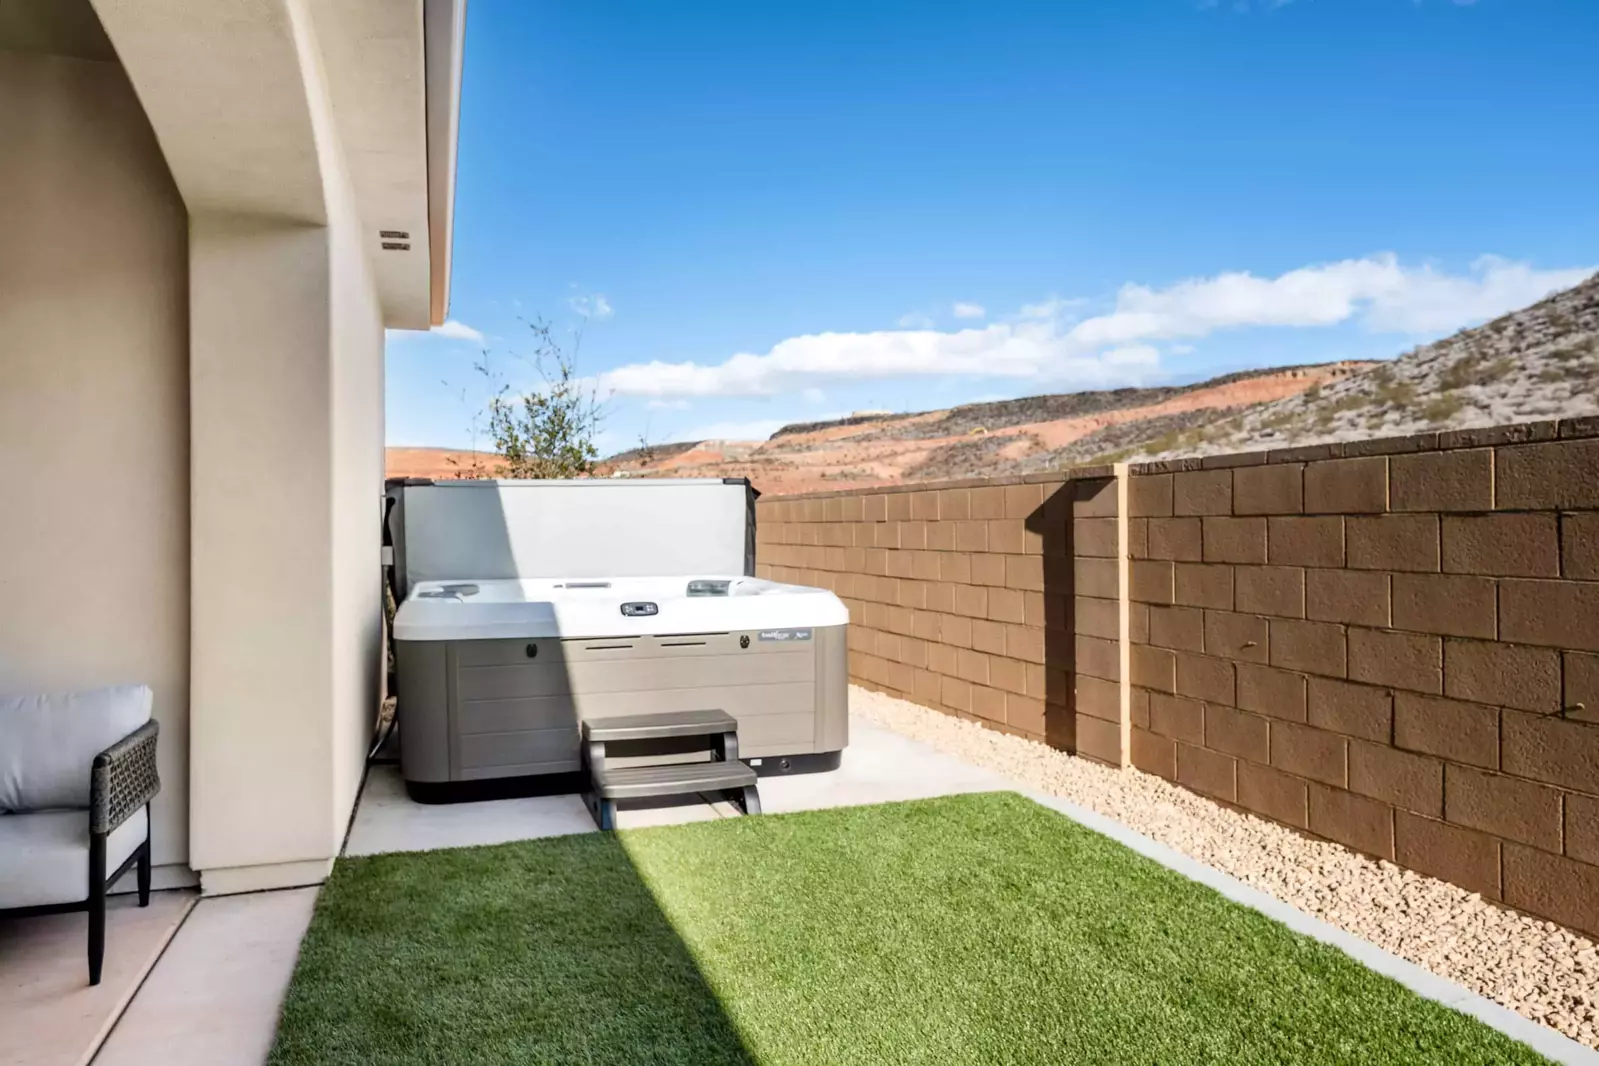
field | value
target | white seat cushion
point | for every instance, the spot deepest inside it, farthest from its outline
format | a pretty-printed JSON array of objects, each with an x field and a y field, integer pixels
[
  {"x": 48, "y": 743},
  {"x": 44, "y": 856}
]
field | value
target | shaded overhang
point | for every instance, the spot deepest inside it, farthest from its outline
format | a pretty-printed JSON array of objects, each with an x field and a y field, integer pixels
[
  {"x": 239, "y": 93},
  {"x": 393, "y": 72}
]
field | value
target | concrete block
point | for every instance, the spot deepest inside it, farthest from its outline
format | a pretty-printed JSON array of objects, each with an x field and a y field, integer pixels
[
  {"x": 1401, "y": 778},
  {"x": 1347, "y": 486},
  {"x": 1317, "y": 541},
  {"x": 1354, "y": 710},
  {"x": 1411, "y": 661},
  {"x": 1202, "y": 492},
  {"x": 1234, "y": 540},
  {"x": 1272, "y": 692},
  {"x": 1461, "y": 856},
  {"x": 1393, "y": 542},
  {"x": 1460, "y": 480},
  {"x": 1268, "y": 490},
  {"x": 1501, "y": 545},
  {"x": 1314, "y": 647},
  {"x": 1447, "y": 604},
  {"x": 1273, "y": 590},
  {"x": 1358, "y": 822},
  {"x": 1453, "y": 730},
  {"x": 1243, "y": 637},
  {"x": 1505, "y": 806},
  {"x": 1359, "y": 597}
]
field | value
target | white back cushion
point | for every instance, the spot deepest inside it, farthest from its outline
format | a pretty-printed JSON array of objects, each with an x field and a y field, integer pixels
[{"x": 48, "y": 742}]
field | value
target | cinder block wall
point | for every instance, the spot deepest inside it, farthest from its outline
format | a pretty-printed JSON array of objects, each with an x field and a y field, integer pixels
[
  {"x": 1390, "y": 644},
  {"x": 961, "y": 596},
  {"x": 1393, "y": 644}
]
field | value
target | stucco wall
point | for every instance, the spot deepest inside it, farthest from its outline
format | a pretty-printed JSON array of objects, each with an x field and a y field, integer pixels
[
  {"x": 94, "y": 520},
  {"x": 288, "y": 417},
  {"x": 356, "y": 381},
  {"x": 262, "y": 557}
]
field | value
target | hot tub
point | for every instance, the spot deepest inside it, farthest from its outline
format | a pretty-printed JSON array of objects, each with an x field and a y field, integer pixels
[{"x": 496, "y": 671}]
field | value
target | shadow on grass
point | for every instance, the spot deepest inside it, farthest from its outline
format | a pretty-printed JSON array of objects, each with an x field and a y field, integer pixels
[
  {"x": 427, "y": 958},
  {"x": 966, "y": 930}
]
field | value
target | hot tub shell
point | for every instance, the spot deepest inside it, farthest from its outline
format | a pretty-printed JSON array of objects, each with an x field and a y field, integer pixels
[{"x": 646, "y": 604}]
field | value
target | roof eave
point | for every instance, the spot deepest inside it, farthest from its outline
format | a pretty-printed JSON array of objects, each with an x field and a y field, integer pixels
[{"x": 444, "y": 35}]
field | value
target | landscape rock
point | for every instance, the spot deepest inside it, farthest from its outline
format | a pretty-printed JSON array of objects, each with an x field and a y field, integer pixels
[{"x": 1542, "y": 970}]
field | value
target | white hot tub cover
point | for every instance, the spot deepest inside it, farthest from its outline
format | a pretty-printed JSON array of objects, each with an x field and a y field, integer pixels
[{"x": 586, "y": 528}]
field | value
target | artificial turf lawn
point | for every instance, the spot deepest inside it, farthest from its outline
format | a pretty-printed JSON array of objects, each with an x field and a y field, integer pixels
[{"x": 969, "y": 929}]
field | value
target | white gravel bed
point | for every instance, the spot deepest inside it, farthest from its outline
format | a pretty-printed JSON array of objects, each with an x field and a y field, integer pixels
[{"x": 1541, "y": 970}]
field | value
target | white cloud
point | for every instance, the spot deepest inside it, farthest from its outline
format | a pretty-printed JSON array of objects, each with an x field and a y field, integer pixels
[
  {"x": 1431, "y": 302},
  {"x": 668, "y": 405},
  {"x": 594, "y": 305},
  {"x": 916, "y": 320},
  {"x": 1133, "y": 355},
  {"x": 814, "y": 395},
  {"x": 1117, "y": 347},
  {"x": 457, "y": 331},
  {"x": 1052, "y": 307},
  {"x": 967, "y": 310}
]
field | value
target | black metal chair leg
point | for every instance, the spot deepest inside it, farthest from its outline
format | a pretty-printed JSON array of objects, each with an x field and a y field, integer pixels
[
  {"x": 96, "y": 905},
  {"x": 144, "y": 873}
]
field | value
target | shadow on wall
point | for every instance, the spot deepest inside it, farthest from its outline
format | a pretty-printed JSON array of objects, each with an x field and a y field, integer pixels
[
  {"x": 1051, "y": 524},
  {"x": 1077, "y": 525}
]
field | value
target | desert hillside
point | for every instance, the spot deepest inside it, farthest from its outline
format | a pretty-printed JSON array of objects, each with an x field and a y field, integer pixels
[
  {"x": 1541, "y": 362},
  {"x": 436, "y": 462},
  {"x": 1008, "y": 436}
]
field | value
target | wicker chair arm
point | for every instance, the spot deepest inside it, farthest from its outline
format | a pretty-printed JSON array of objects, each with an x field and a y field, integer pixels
[{"x": 124, "y": 779}]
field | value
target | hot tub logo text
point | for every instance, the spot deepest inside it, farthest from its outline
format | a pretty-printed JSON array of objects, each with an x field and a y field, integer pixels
[{"x": 785, "y": 634}]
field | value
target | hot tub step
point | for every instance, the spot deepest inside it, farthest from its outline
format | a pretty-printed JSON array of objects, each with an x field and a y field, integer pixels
[
  {"x": 724, "y": 773},
  {"x": 607, "y": 785},
  {"x": 642, "y": 782},
  {"x": 658, "y": 726}
]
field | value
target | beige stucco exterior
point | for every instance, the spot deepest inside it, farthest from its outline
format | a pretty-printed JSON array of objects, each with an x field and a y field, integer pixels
[
  {"x": 199, "y": 410},
  {"x": 94, "y": 383}
]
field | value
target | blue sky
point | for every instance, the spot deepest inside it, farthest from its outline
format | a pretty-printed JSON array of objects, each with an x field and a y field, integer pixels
[{"x": 773, "y": 212}]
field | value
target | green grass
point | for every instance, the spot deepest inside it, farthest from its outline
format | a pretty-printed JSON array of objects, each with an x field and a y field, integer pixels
[{"x": 973, "y": 929}]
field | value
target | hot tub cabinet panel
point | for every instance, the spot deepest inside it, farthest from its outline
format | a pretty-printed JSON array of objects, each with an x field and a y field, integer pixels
[{"x": 478, "y": 709}]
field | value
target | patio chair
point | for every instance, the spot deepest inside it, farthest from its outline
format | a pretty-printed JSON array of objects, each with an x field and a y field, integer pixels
[{"x": 77, "y": 773}]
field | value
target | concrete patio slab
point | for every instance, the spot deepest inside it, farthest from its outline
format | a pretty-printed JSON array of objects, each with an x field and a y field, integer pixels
[
  {"x": 49, "y": 1014},
  {"x": 214, "y": 998},
  {"x": 879, "y": 766},
  {"x": 386, "y": 819}
]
